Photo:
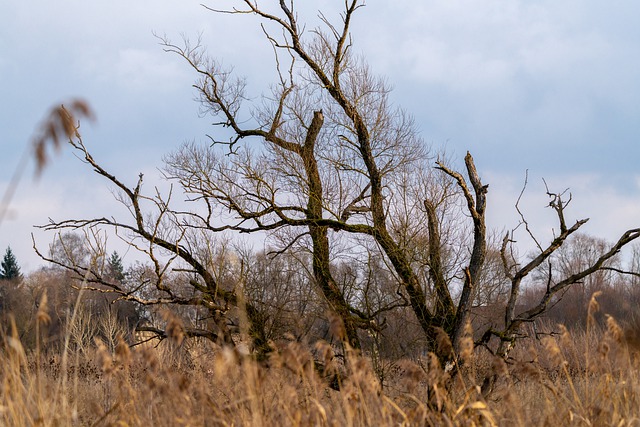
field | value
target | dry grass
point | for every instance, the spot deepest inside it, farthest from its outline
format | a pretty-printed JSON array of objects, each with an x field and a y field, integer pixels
[{"x": 587, "y": 379}]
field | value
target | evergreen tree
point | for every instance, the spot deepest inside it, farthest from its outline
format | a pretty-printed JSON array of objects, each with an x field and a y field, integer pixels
[
  {"x": 9, "y": 268},
  {"x": 115, "y": 267}
]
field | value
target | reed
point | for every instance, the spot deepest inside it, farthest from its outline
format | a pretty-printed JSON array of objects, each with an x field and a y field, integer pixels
[{"x": 590, "y": 378}]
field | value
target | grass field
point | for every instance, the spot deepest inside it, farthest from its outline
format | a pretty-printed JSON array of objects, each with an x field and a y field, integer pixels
[{"x": 588, "y": 378}]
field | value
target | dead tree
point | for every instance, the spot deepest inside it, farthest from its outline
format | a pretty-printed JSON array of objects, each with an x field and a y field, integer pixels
[{"x": 323, "y": 158}]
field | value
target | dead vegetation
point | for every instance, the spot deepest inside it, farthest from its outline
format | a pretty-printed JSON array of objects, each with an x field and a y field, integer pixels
[{"x": 565, "y": 379}]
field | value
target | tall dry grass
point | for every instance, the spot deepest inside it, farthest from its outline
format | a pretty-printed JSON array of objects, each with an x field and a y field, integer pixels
[{"x": 589, "y": 378}]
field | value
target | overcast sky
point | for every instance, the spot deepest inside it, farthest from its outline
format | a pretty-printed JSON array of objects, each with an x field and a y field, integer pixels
[{"x": 545, "y": 86}]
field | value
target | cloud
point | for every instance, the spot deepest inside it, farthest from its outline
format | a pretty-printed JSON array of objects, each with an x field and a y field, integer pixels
[
  {"x": 135, "y": 69},
  {"x": 523, "y": 80},
  {"x": 33, "y": 204},
  {"x": 547, "y": 86},
  {"x": 467, "y": 45},
  {"x": 611, "y": 210},
  {"x": 78, "y": 194}
]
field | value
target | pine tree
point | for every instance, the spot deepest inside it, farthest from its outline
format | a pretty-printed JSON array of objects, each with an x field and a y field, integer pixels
[
  {"x": 9, "y": 268},
  {"x": 115, "y": 267}
]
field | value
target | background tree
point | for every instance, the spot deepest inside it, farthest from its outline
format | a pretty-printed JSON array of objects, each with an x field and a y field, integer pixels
[
  {"x": 9, "y": 268},
  {"x": 115, "y": 268}
]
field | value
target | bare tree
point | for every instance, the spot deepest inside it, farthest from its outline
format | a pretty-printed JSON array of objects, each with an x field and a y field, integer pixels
[
  {"x": 325, "y": 163},
  {"x": 328, "y": 122}
]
